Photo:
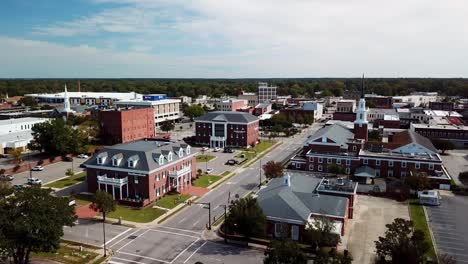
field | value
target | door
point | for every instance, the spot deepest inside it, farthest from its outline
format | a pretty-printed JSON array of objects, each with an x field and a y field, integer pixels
[{"x": 295, "y": 232}]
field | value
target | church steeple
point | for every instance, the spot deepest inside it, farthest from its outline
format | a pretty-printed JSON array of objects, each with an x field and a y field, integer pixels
[
  {"x": 66, "y": 101},
  {"x": 360, "y": 124}
]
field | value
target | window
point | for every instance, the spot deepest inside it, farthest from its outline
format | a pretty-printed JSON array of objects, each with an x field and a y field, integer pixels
[
  {"x": 320, "y": 160},
  {"x": 164, "y": 175},
  {"x": 377, "y": 162},
  {"x": 377, "y": 173},
  {"x": 295, "y": 232},
  {"x": 157, "y": 177},
  {"x": 115, "y": 162},
  {"x": 329, "y": 161},
  {"x": 348, "y": 170},
  {"x": 390, "y": 163},
  {"x": 403, "y": 174},
  {"x": 365, "y": 161},
  {"x": 187, "y": 150},
  {"x": 164, "y": 188},
  {"x": 417, "y": 165},
  {"x": 169, "y": 156},
  {"x": 320, "y": 168},
  {"x": 100, "y": 160},
  {"x": 338, "y": 161},
  {"x": 135, "y": 179},
  {"x": 390, "y": 173},
  {"x": 278, "y": 230},
  {"x": 403, "y": 164},
  {"x": 311, "y": 167},
  {"x": 157, "y": 192},
  {"x": 431, "y": 166},
  {"x": 298, "y": 165},
  {"x": 311, "y": 159},
  {"x": 348, "y": 162}
]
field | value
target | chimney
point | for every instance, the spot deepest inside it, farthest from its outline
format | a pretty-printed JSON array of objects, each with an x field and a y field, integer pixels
[
  {"x": 287, "y": 180},
  {"x": 79, "y": 88}
]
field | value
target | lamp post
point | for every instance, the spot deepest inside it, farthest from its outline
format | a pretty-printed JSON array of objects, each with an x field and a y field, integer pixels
[{"x": 260, "y": 177}]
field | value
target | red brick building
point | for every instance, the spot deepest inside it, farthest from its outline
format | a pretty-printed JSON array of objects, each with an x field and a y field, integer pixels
[
  {"x": 140, "y": 172},
  {"x": 227, "y": 129},
  {"x": 379, "y": 101},
  {"x": 125, "y": 125},
  {"x": 445, "y": 106}
]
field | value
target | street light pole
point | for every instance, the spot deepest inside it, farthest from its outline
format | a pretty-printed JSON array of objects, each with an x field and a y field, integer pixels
[
  {"x": 29, "y": 165},
  {"x": 260, "y": 178}
]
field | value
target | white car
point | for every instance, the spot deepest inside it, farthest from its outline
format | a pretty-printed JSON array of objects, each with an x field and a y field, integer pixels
[
  {"x": 37, "y": 168},
  {"x": 83, "y": 156},
  {"x": 205, "y": 149},
  {"x": 34, "y": 181},
  {"x": 216, "y": 149},
  {"x": 209, "y": 170}
]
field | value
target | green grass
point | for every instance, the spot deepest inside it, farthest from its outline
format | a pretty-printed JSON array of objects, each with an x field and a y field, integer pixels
[
  {"x": 264, "y": 145},
  {"x": 171, "y": 200},
  {"x": 65, "y": 182},
  {"x": 82, "y": 199},
  {"x": 419, "y": 221},
  {"x": 139, "y": 215},
  {"x": 67, "y": 255},
  {"x": 205, "y": 180},
  {"x": 204, "y": 158},
  {"x": 225, "y": 173}
]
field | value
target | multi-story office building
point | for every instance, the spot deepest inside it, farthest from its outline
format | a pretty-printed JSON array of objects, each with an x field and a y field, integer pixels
[
  {"x": 230, "y": 105},
  {"x": 266, "y": 93},
  {"x": 84, "y": 98},
  {"x": 252, "y": 98}
]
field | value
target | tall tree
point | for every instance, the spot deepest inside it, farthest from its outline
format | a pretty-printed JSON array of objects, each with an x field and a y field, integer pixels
[
  {"x": 167, "y": 126},
  {"x": 16, "y": 153},
  {"x": 335, "y": 169},
  {"x": 104, "y": 203},
  {"x": 273, "y": 169},
  {"x": 418, "y": 181},
  {"x": 333, "y": 257},
  {"x": 32, "y": 220},
  {"x": 319, "y": 232},
  {"x": 284, "y": 252},
  {"x": 401, "y": 244},
  {"x": 194, "y": 111},
  {"x": 245, "y": 217},
  {"x": 443, "y": 145}
]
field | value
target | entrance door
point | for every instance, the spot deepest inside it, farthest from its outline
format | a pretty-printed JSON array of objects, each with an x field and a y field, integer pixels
[{"x": 295, "y": 232}]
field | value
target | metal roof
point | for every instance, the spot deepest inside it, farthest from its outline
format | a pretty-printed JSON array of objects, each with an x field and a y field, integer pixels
[
  {"x": 365, "y": 171},
  {"x": 230, "y": 117},
  {"x": 335, "y": 132}
]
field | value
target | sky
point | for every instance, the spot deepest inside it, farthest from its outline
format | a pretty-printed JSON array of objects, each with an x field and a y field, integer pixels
[{"x": 233, "y": 38}]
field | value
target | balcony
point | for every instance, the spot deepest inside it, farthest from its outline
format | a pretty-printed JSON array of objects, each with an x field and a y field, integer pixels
[
  {"x": 183, "y": 171},
  {"x": 104, "y": 179}
]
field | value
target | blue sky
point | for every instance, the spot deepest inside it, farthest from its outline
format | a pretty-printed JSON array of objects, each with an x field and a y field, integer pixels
[{"x": 232, "y": 39}]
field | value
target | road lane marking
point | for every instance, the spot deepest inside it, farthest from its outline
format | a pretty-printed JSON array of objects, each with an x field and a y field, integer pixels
[
  {"x": 140, "y": 256},
  {"x": 125, "y": 238},
  {"x": 193, "y": 253},
  {"x": 183, "y": 251},
  {"x": 172, "y": 233},
  {"x": 183, "y": 219},
  {"x": 119, "y": 235},
  {"x": 179, "y": 229},
  {"x": 132, "y": 240},
  {"x": 195, "y": 223}
]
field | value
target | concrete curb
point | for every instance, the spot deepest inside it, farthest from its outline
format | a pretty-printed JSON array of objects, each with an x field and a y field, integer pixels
[
  {"x": 56, "y": 180},
  {"x": 223, "y": 179},
  {"x": 434, "y": 243}
]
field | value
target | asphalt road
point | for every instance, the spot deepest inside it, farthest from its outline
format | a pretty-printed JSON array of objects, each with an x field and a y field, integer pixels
[
  {"x": 448, "y": 224},
  {"x": 218, "y": 164},
  {"x": 90, "y": 232},
  {"x": 50, "y": 173}
]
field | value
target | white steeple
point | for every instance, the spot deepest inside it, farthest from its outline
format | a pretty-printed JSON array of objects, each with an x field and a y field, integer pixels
[
  {"x": 66, "y": 101},
  {"x": 361, "y": 112}
]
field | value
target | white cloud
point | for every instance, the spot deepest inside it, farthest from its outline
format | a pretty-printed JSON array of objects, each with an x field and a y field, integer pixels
[{"x": 277, "y": 38}]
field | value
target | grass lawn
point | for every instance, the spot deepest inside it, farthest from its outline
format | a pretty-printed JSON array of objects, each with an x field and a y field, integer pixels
[
  {"x": 204, "y": 158},
  {"x": 172, "y": 199},
  {"x": 67, "y": 255},
  {"x": 205, "y": 180},
  {"x": 225, "y": 173},
  {"x": 82, "y": 199},
  {"x": 79, "y": 177},
  {"x": 264, "y": 145},
  {"x": 139, "y": 215},
  {"x": 419, "y": 221}
]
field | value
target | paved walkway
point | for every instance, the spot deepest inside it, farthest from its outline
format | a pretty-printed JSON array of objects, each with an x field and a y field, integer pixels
[
  {"x": 195, "y": 191},
  {"x": 84, "y": 212}
]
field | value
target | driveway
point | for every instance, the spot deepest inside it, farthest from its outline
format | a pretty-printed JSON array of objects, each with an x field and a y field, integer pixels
[
  {"x": 456, "y": 162},
  {"x": 371, "y": 214},
  {"x": 50, "y": 173},
  {"x": 218, "y": 164},
  {"x": 448, "y": 225}
]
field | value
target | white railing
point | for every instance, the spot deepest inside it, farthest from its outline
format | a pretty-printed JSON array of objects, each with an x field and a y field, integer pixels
[
  {"x": 105, "y": 179},
  {"x": 180, "y": 172}
]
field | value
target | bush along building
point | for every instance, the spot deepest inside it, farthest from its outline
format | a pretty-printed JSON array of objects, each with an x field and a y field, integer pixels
[
  {"x": 337, "y": 149},
  {"x": 140, "y": 172},
  {"x": 227, "y": 129}
]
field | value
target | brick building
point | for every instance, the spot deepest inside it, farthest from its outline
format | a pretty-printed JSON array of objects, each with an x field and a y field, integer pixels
[
  {"x": 445, "y": 106},
  {"x": 142, "y": 171},
  {"x": 379, "y": 101},
  {"x": 223, "y": 129},
  {"x": 230, "y": 105},
  {"x": 262, "y": 108},
  {"x": 457, "y": 134},
  {"x": 122, "y": 125}
]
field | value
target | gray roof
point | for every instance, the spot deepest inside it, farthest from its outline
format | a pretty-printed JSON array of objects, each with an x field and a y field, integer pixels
[
  {"x": 365, "y": 171},
  {"x": 298, "y": 201},
  {"x": 147, "y": 152},
  {"x": 230, "y": 117},
  {"x": 335, "y": 132}
]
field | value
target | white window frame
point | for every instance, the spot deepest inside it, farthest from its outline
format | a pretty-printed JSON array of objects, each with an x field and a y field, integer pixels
[
  {"x": 348, "y": 162},
  {"x": 298, "y": 165},
  {"x": 404, "y": 164},
  {"x": 390, "y": 163},
  {"x": 294, "y": 232},
  {"x": 135, "y": 179},
  {"x": 348, "y": 170},
  {"x": 377, "y": 173},
  {"x": 311, "y": 159},
  {"x": 115, "y": 162},
  {"x": 417, "y": 165},
  {"x": 431, "y": 166},
  {"x": 354, "y": 148},
  {"x": 338, "y": 161},
  {"x": 157, "y": 192},
  {"x": 378, "y": 162},
  {"x": 320, "y": 168},
  {"x": 365, "y": 161},
  {"x": 278, "y": 230},
  {"x": 311, "y": 167},
  {"x": 390, "y": 173},
  {"x": 329, "y": 160},
  {"x": 320, "y": 160}
]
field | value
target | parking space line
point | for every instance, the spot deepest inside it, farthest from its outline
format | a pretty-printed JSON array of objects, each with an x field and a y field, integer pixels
[
  {"x": 124, "y": 238},
  {"x": 183, "y": 251},
  {"x": 125, "y": 260},
  {"x": 193, "y": 253},
  {"x": 448, "y": 248},
  {"x": 172, "y": 233},
  {"x": 135, "y": 255},
  {"x": 132, "y": 240},
  {"x": 181, "y": 220},
  {"x": 119, "y": 235},
  {"x": 179, "y": 229}
]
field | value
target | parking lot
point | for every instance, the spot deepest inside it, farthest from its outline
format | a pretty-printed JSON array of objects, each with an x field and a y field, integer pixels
[
  {"x": 89, "y": 232},
  {"x": 371, "y": 214},
  {"x": 50, "y": 173},
  {"x": 456, "y": 162},
  {"x": 218, "y": 164},
  {"x": 448, "y": 225}
]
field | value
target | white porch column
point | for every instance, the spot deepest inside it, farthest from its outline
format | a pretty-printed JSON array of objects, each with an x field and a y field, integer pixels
[
  {"x": 106, "y": 187},
  {"x": 127, "y": 190},
  {"x": 99, "y": 186},
  {"x": 120, "y": 192},
  {"x": 113, "y": 192}
]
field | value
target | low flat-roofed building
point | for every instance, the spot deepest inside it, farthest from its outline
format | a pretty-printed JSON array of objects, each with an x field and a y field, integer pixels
[
  {"x": 455, "y": 133},
  {"x": 17, "y": 133}
]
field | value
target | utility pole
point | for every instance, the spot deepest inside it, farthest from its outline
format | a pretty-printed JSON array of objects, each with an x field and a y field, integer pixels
[
  {"x": 225, "y": 224},
  {"x": 260, "y": 178},
  {"x": 29, "y": 164}
]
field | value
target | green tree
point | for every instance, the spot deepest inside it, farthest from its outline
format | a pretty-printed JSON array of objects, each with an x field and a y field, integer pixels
[
  {"x": 167, "y": 126},
  {"x": 335, "y": 169},
  {"x": 27, "y": 101},
  {"x": 284, "y": 252},
  {"x": 418, "y": 181},
  {"x": 333, "y": 257},
  {"x": 401, "y": 244},
  {"x": 273, "y": 169},
  {"x": 194, "y": 111},
  {"x": 104, "y": 203},
  {"x": 245, "y": 217},
  {"x": 443, "y": 145},
  {"x": 16, "y": 153},
  {"x": 32, "y": 220},
  {"x": 463, "y": 177},
  {"x": 374, "y": 135},
  {"x": 319, "y": 232}
]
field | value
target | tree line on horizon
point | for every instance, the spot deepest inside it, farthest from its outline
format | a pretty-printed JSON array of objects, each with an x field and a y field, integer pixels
[{"x": 231, "y": 87}]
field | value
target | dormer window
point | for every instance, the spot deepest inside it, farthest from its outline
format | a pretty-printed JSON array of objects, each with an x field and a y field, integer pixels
[
  {"x": 132, "y": 161},
  {"x": 101, "y": 158},
  {"x": 115, "y": 162},
  {"x": 187, "y": 150},
  {"x": 161, "y": 160},
  {"x": 116, "y": 159},
  {"x": 181, "y": 153},
  {"x": 169, "y": 156}
]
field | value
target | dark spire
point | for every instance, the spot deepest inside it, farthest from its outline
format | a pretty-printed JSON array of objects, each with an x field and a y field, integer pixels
[{"x": 362, "y": 86}]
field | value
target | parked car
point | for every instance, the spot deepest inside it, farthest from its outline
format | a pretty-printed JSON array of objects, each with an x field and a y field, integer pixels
[
  {"x": 67, "y": 158},
  {"x": 228, "y": 150},
  {"x": 7, "y": 177},
  {"x": 83, "y": 156},
  {"x": 34, "y": 181},
  {"x": 82, "y": 165},
  {"x": 216, "y": 149},
  {"x": 209, "y": 170},
  {"x": 205, "y": 149},
  {"x": 17, "y": 186},
  {"x": 231, "y": 162},
  {"x": 37, "y": 168}
]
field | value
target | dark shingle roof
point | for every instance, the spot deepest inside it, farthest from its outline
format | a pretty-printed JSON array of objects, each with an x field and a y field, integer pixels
[
  {"x": 298, "y": 201},
  {"x": 335, "y": 132},
  {"x": 234, "y": 117},
  {"x": 408, "y": 136},
  {"x": 147, "y": 152}
]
